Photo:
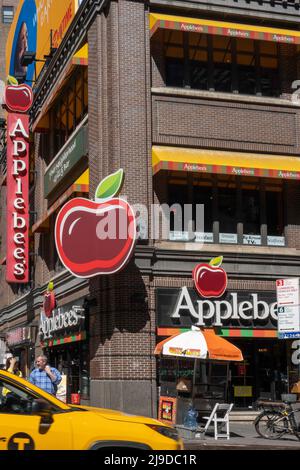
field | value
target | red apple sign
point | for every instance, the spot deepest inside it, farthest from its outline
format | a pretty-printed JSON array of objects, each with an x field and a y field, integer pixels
[
  {"x": 210, "y": 279},
  {"x": 18, "y": 98},
  {"x": 96, "y": 237},
  {"x": 49, "y": 303}
]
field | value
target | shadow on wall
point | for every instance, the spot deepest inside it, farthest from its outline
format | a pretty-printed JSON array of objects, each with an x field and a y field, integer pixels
[{"x": 122, "y": 303}]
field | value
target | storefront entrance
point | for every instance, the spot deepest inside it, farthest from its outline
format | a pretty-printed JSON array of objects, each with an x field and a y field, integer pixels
[
  {"x": 263, "y": 374},
  {"x": 72, "y": 361}
]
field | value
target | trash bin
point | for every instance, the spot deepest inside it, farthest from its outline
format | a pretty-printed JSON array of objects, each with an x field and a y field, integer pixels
[{"x": 75, "y": 398}]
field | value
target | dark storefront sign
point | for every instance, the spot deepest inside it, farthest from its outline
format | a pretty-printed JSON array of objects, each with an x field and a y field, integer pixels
[
  {"x": 66, "y": 160},
  {"x": 66, "y": 324},
  {"x": 183, "y": 308},
  {"x": 19, "y": 336}
]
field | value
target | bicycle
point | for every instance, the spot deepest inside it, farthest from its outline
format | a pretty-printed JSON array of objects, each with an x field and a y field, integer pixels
[{"x": 276, "y": 420}]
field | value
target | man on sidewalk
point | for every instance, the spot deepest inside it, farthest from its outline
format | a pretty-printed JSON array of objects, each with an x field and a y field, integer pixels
[{"x": 44, "y": 376}]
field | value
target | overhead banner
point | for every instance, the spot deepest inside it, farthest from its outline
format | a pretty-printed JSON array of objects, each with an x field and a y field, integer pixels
[
  {"x": 38, "y": 25},
  {"x": 18, "y": 100}
]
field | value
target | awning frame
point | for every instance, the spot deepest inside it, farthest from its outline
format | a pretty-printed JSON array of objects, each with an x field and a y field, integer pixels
[{"x": 220, "y": 28}]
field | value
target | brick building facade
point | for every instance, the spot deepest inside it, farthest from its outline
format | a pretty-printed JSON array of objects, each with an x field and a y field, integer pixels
[{"x": 144, "y": 94}]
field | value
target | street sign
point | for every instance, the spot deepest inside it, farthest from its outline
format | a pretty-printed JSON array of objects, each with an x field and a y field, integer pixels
[{"x": 288, "y": 301}]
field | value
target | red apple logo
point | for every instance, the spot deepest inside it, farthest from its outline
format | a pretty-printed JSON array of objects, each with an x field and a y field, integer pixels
[
  {"x": 17, "y": 98},
  {"x": 210, "y": 279},
  {"x": 49, "y": 300},
  {"x": 96, "y": 237}
]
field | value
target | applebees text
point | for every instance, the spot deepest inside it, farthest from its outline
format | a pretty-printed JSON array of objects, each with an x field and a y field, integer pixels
[
  {"x": 17, "y": 100},
  {"x": 17, "y": 198}
]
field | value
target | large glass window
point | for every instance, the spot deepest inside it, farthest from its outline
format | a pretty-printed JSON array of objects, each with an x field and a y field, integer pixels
[
  {"x": 212, "y": 62},
  {"x": 244, "y": 210}
]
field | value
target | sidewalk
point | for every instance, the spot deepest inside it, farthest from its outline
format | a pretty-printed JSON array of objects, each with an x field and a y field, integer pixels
[{"x": 242, "y": 437}]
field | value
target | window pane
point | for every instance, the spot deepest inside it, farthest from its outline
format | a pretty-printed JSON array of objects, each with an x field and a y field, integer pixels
[
  {"x": 247, "y": 80},
  {"x": 251, "y": 212},
  {"x": 178, "y": 194},
  {"x": 7, "y": 14},
  {"x": 274, "y": 213},
  {"x": 203, "y": 195},
  {"x": 199, "y": 75},
  {"x": 227, "y": 210},
  {"x": 174, "y": 72}
]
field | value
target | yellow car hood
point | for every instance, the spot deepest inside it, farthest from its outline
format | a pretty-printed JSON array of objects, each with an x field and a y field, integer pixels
[{"x": 118, "y": 415}]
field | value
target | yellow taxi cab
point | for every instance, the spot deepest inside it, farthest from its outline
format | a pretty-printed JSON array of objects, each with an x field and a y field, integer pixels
[{"x": 33, "y": 419}]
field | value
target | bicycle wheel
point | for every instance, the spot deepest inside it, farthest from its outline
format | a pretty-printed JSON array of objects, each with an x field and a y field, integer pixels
[{"x": 271, "y": 425}]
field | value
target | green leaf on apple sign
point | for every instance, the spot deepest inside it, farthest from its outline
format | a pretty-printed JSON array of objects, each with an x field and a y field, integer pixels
[
  {"x": 12, "y": 80},
  {"x": 216, "y": 261},
  {"x": 110, "y": 186}
]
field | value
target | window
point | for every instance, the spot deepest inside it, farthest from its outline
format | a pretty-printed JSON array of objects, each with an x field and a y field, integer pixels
[
  {"x": 227, "y": 207},
  {"x": 245, "y": 210},
  {"x": 219, "y": 63},
  {"x": 7, "y": 14},
  {"x": 69, "y": 110},
  {"x": 15, "y": 400}
]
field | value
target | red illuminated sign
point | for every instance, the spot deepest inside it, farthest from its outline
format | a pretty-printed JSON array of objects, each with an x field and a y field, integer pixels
[
  {"x": 96, "y": 237},
  {"x": 210, "y": 279},
  {"x": 18, "y": 99}
]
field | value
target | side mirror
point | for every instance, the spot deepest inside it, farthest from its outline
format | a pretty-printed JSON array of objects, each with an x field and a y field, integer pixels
[{"x": 43, "y": 409}]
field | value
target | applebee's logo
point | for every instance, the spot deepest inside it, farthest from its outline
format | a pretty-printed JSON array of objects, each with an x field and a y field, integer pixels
[
  {"x": 96, "y": 237},
  {"x": 17, "y": 98},
  {"x": 210, "y": 279},
  {"x": 49, "y": 300}
]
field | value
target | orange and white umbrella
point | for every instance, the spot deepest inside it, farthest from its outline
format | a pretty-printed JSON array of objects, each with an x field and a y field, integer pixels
[{"x": 199, "y": 344}]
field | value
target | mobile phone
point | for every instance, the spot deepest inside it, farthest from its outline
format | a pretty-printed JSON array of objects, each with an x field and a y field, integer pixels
[{"x": 17, "y": 358}]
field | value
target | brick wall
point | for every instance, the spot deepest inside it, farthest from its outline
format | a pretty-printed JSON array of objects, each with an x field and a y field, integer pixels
[
  {"x": 209, "y": 123},
  {"x": 122, "y": 332}
]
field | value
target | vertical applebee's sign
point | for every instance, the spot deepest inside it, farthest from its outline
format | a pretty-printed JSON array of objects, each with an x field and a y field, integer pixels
[
  {"x": 96, "y": 237},
  {"x": 17, "y": 100}
]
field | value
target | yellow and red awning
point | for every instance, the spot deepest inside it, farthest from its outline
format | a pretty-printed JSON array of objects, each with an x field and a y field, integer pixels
[
  {"x": 234, "y": 30},
  {"x": 221, "y": 162},
  {"x": 82, "y": 56}
]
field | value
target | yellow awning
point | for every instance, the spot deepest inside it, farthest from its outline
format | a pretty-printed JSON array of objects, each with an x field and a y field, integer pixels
[
  {"x": 82, "y": 56},
  {"x": 235, "y": 30},
  {"x": 231, "y": 163}
]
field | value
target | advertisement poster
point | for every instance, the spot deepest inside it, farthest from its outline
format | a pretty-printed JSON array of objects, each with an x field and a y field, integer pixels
[
  {"x": 36, "y": 25},
  {"x": 288, "y": 298},
  {"x": 167, "y": 410}
]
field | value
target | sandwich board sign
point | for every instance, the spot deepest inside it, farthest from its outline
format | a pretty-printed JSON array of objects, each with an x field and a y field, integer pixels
[{"x": 288, "y": 304}]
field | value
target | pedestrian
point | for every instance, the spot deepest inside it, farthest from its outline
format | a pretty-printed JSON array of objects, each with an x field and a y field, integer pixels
[
  {"x": 45, "y": 377},
  {"x": 12, "y": 366}
]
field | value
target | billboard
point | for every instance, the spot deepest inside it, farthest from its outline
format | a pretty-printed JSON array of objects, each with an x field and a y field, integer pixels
[{"x": 35, "y": 23}]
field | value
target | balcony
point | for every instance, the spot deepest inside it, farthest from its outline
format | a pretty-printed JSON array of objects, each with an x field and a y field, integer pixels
[{"x": 281, "y": 10}]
